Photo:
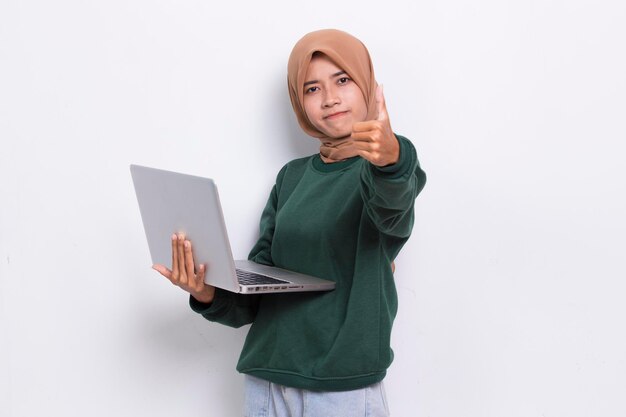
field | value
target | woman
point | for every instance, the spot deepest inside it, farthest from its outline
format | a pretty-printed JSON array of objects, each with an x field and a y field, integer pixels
[{"x": 342, "y": 214}]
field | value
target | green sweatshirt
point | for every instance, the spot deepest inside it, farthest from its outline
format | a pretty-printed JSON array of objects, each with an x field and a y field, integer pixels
[{"x": 344, "y": 222}]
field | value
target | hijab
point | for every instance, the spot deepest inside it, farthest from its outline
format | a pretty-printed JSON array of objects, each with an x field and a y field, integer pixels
[{"x": 348, "y": 53}]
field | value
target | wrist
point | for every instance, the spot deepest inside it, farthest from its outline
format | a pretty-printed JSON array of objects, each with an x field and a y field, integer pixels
[{"x": 205, "y": 296}]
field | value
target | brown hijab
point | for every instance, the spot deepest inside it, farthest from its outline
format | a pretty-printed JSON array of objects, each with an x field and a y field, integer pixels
[{"x": 348, "y": 53}]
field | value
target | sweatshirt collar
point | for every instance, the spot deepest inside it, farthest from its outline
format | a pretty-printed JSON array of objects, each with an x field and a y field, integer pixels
[{"x": 321, "y": 166}]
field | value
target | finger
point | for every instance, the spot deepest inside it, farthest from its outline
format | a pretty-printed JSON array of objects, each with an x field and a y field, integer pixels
[
  {"x": 174, "y": 257},
  {"x": 381, "y": 104},
  {"x": 350, "y": 148},
  {"x": 366, "y": 126},
  {"x": 200, "y": 277},
  {"x": 368, "y": 136},
  {"x": 371, "y": 150},
  {"x": 162, "y": 270},
  {"x": 181, "y": 259},
  {"x": 363, "y": 145},
  {"x": 189, "y": 267}
]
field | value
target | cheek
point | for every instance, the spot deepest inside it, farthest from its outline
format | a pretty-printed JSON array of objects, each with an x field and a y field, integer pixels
[
  {"x": 358, "y": 105},
  {"x": 361, "y": 113},
  {"x": 309, "y": 109}
]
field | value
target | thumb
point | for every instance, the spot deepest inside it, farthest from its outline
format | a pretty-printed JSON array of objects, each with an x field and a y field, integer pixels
[{"x": 380, "y": 104}]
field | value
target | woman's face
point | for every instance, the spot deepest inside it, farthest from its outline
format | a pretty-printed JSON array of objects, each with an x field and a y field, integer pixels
[{"x": 332, "y": 101}]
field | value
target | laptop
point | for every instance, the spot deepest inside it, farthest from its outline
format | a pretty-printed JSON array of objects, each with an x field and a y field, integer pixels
[{"x": 171, "y": 202}]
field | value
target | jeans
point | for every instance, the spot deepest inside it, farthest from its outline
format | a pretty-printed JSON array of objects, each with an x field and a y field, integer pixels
[{"x": 265, "y": 399}]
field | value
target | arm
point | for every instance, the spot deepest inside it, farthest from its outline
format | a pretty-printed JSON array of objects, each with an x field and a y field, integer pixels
[
  {"x": 227, "y": 308},
  {"x": 389, "y": 192},
  {"x": 392, "y": 178}
]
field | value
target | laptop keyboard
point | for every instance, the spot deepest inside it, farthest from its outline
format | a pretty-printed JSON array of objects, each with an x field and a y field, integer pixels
[{"x": 250, "y": 278}]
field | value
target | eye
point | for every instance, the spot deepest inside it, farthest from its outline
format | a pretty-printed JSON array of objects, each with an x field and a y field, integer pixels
[
  {"x": 311, "y": 90},
  {"x": 343, "y": 80}
]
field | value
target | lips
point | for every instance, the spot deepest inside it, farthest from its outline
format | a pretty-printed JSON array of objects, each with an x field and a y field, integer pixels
[{"x": 336, "y": 115}]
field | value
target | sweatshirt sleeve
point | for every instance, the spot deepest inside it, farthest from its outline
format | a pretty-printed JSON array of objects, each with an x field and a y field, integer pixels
[
  {"x": 389, "y": 192},
  {"x": 228, "y": 308}
]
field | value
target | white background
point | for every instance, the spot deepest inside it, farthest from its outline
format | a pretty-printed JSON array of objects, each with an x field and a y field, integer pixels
[{"x": 511, "y": 287}]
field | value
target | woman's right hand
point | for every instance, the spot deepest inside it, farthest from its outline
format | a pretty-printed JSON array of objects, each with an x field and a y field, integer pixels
[{"x": 183, "y": 273}]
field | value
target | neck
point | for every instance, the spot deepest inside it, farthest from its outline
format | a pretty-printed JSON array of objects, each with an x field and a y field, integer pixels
[{"x": 332, "y": 143}]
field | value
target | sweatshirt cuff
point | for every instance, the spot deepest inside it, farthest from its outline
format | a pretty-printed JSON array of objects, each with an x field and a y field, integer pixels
[{"x": 221, "y": 303}]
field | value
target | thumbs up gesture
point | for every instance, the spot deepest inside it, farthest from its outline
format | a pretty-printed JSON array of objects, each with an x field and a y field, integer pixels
[{"x": 371, "y": 139}]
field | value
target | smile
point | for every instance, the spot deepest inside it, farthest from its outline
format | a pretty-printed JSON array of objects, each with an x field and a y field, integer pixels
[{"x": 336, "y": 115}]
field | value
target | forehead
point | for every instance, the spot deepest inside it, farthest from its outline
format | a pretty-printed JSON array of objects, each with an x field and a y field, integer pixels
[{"x": 321, "y": 64}]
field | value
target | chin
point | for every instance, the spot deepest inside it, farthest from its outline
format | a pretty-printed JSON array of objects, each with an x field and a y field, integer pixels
[
  {"x": 334, "y": 134},
  {"x": 337, "y": 136}
]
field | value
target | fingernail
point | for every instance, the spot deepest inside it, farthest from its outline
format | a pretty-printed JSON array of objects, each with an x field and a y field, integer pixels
[{"x": 187, "y": 243}]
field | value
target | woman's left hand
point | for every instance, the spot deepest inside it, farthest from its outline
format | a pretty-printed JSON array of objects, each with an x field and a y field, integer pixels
[{"x": 372, "y": 139}]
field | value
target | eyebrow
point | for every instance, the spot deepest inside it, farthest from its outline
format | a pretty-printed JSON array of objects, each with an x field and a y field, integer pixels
[{"x": 316, "y": 81}]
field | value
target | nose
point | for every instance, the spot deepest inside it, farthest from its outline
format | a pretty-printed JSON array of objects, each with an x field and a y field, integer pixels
[{"x": 331, "y": 98}]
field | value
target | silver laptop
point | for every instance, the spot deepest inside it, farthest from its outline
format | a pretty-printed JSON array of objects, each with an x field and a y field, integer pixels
[{"x": 171, "y": 202}]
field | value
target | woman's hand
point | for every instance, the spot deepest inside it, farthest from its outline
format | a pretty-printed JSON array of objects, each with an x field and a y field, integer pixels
[
  {"x": 183, "y": 273},
  {"x": 372, "y": 139}
]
